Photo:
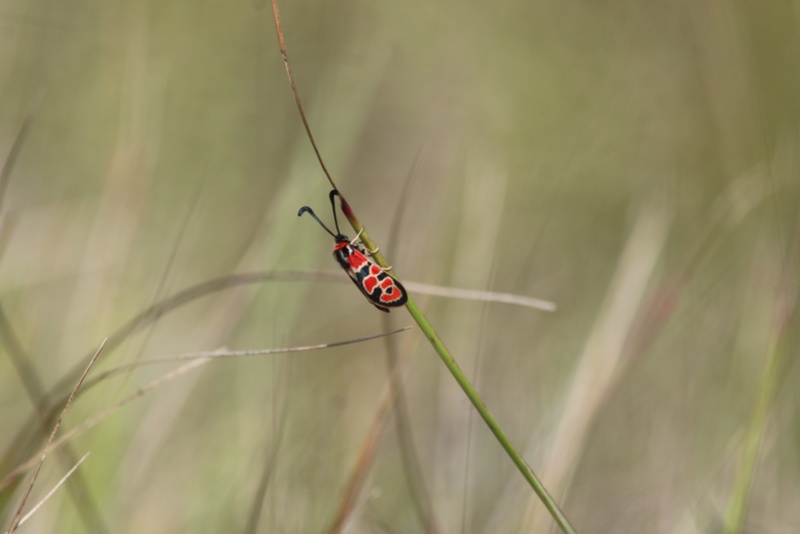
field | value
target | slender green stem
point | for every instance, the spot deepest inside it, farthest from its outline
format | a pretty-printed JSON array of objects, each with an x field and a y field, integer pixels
[
  {"x": 423, "y": 323},
  {"x": 743, "y": 484},
  {"x": 466, "y": 385},
  {"x": 487, "y": 416}
]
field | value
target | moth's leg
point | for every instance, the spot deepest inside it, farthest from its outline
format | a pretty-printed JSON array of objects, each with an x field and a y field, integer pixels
[{"x": 357, "y": 239}]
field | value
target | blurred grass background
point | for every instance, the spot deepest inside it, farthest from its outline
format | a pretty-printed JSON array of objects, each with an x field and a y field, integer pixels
[{"x": 636, "y": 163}]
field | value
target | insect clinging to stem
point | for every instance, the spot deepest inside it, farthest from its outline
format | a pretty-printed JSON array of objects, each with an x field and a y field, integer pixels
[{"x": 380, "y": 288}]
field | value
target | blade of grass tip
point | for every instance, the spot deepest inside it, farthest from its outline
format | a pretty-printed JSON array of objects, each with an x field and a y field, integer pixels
[
  {"x": 8, "y": 223},
  {"x": 52, "y": 491},
  {"x": 21, "y": 362},
  {"x": 78, "y": 488},
  {"x": 276, "y": 17},
  {"x": 196, "y": 359},
  {"x": 7, "y": 220},
  {"x": 11, "y": 158},
  {"x": 18, "y": 514}
]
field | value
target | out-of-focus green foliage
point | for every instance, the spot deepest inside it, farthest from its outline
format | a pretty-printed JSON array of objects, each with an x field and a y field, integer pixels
[{"x": 636, "y": 163}]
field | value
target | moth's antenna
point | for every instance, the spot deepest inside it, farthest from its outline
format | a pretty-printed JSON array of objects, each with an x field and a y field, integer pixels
[
  {"x": 282, "y": 45},
  {"x": 334, "y": 193},
  {"x": 306, "y": 209}
]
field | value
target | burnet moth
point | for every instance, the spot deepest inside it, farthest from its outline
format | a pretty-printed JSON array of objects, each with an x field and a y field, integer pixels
[{"x": 380, "y": 288}]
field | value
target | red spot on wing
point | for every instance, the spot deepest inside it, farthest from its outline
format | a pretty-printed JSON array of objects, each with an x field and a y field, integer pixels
[
  {"x": 357, "y": 260},
  {"x": 391, "y": 293},
  {"x": 369, "y": 283}
]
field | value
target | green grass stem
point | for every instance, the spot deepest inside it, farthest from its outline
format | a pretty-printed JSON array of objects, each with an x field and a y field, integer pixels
[
  {"x": 742, "y": 487},
  {"x": 451, "y": 364}
]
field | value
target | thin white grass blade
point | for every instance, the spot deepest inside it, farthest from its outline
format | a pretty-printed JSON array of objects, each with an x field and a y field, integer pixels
[
  {"x": 196, "y": 359},
  {"x": 50, "y": 442},
  {"x": 601, "y": 361},
  {"x": 481, "y": 296},
  {"x": 52, "y": 491}
]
